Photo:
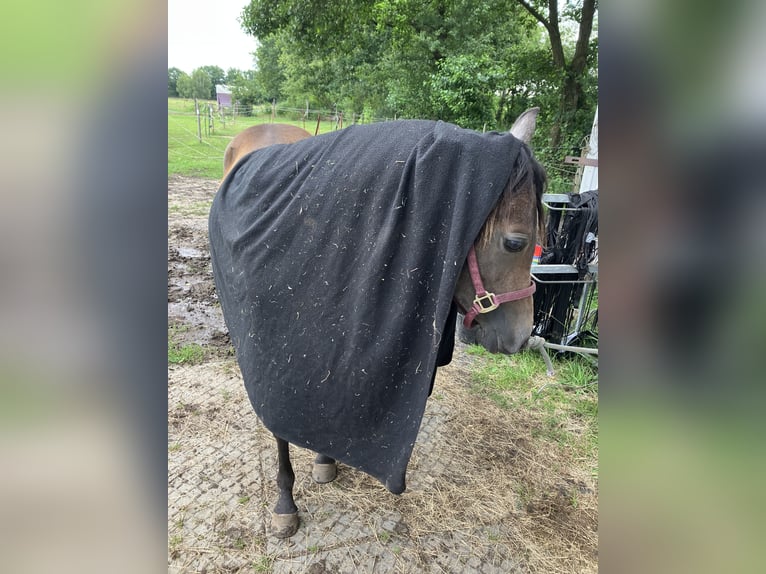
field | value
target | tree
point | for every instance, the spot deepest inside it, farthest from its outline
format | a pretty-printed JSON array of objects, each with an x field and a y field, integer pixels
[
  {"x": 184, "y": 85},
  {"x": 232, "y": 75},
  {"x": 471, "y": 62},
  {"x": 325, "y": 51},
  {"x": 245, "y": 91},
  {"x": 462, "y": 90},
  {"x": 216, "y": 75},
  {"x": 270, "y": 73},
  {"x": 173, "y": 74},
  {"x": 449, "y": 54},
  {"x": 201, "y": 84},
  {"x": 195, "y": 86},
  {"x": 573, "y": 71}
]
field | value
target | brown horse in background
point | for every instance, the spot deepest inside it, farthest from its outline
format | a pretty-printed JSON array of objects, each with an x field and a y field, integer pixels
[{"x": 257, "y": 137}]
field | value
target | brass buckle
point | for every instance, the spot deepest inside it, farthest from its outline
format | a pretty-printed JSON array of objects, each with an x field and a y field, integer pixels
[{"x": 486, "y": 302}]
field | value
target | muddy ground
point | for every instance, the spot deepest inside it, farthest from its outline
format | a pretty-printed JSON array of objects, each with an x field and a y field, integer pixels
[{"x": 485, "y": 494}]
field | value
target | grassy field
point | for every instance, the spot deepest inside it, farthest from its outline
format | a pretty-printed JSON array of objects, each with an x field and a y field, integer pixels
[{"x": 188, "y": 156}]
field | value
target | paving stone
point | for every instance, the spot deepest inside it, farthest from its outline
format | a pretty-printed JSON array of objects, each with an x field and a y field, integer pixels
[{"x": 207, "y": 479}]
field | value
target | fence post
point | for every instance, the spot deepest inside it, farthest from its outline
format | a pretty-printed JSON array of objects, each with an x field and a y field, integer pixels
[
  {"x": 273, "y": 109},
  {"x": 319, "y": 117},
  {"x": 199, "y": 122}
]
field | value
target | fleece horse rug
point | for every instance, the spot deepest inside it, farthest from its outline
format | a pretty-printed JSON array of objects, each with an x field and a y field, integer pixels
[{"x": 335, "y": 261}]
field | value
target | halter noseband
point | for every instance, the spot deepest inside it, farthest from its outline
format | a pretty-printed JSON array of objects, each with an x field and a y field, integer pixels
[{"x": 484, "y": 302}]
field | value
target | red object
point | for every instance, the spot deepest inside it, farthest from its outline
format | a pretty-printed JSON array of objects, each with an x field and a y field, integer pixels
[{"x": 485, "y": 301}]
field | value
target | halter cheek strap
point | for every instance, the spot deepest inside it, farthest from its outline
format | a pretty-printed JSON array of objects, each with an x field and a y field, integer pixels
[{"x": 484, "y": 302}]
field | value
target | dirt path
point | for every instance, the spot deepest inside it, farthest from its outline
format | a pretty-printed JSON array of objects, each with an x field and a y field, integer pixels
[{"x": 483, "y": 495}]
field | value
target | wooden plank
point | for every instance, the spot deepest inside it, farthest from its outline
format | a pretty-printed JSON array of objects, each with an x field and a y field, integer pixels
[{"x": 593, "y": 162}]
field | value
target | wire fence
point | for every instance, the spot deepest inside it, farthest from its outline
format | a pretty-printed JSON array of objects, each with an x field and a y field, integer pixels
[
  {"x": 320, "y": 120},
  {"x": 201, "y": 131}
]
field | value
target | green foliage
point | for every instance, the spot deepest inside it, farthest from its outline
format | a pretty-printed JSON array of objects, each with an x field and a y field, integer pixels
[
  {"x": 173, "y": 74},
  {"x": 245, "y": 90},
  {"x": 216, "y": 75},
  {"x": 270, "y": 76},
  {"x": 184, "y": 85},
  {"x": 198, "y": 85},
  {"x": 462, "y": 90},
  {"x": 232, "y": 75},
  {"x": 201, "y": 85},
  {"x": 367, "y": 114},
  {"x": 471, "y": 63}
]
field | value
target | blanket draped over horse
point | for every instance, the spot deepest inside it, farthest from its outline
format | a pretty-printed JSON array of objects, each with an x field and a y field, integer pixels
[{"x": 335, "y": 260}]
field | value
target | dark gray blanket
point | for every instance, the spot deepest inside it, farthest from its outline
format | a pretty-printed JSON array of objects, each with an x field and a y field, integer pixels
[{"x": 335, "y": 261}]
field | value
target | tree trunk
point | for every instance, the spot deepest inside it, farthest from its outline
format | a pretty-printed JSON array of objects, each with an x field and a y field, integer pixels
[
  {"x": 571, "y": 88},
  {"x": 569, "y": 103}
]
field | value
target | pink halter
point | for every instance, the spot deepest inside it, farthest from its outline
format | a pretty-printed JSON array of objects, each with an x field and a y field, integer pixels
[{"x": 484, "y": 302}]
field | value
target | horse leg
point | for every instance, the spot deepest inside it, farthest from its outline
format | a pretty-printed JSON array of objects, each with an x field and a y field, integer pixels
[
  {"x": 325, "y": 470},
  {"x": 284, "y": 520}
]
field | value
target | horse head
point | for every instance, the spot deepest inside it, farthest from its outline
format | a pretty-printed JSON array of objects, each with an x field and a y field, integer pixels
[{"x": 501, "y": 317}]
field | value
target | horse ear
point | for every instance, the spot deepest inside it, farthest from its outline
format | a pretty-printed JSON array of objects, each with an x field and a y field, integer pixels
[{"x": 524, "y": 126}]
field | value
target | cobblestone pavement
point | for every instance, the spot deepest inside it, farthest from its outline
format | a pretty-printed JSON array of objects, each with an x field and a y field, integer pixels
[{"x": 221, "y": 469}]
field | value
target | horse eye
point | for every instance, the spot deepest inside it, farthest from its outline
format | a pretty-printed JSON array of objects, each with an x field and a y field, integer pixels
[{"x": 514, "y": 244}]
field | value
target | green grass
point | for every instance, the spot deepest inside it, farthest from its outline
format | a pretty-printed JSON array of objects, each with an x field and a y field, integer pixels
[
  {"x": 186, "y": 154},
  {"x": 189, "y": 156},
  {"x": 174, "y": 545},
  {"x": 263, "y": 564},
  {"x": 189, "y": 354},
  {"x": 566, "y": 401},
  {"x": 196, "y": 208},
  {"x": 183, "y": 353}
]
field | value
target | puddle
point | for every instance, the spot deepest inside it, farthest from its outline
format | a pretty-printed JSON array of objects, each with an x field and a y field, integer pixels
[{"x": 190, "y": 252}]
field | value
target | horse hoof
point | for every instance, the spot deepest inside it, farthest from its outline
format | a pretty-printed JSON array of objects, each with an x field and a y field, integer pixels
[
  {"x": 284, "y": 525},
  {"x": 324, "y": 473}
]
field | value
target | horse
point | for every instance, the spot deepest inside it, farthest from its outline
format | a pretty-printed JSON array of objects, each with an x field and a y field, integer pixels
[
  {"x": 257, "y": 137},
  {"x": 493, "y": 289}
]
